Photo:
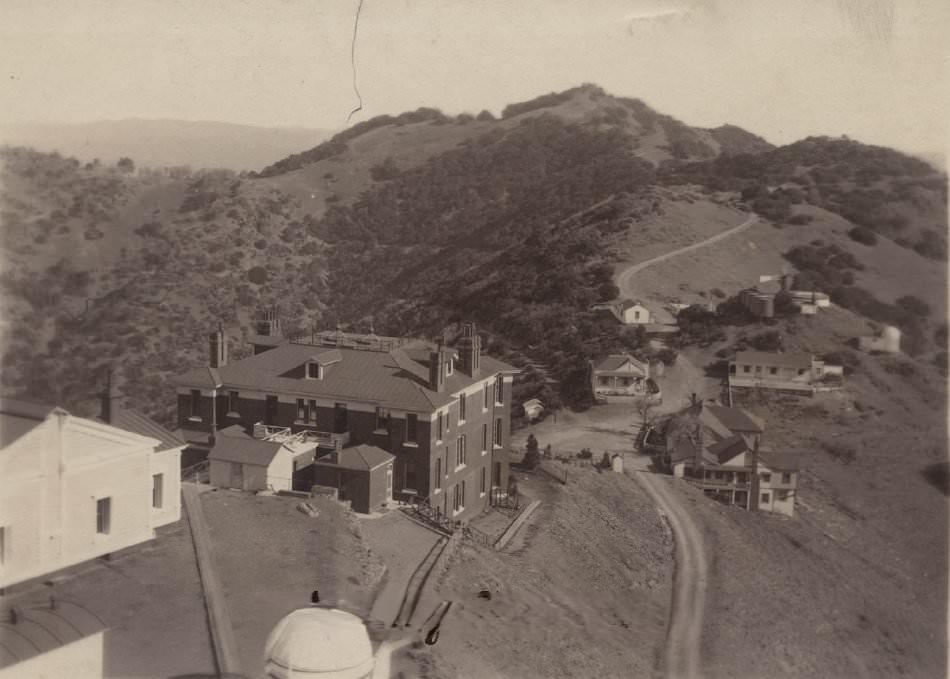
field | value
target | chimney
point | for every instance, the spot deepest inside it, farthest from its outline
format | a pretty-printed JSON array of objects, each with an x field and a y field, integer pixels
[
  {"x": 218, "y": 348},
  {"x": 470, "y": 350},
  {"x": 437, "y": 368},
  {"x": 269, "y": 324},
  {"x": 108, "y": 399}
]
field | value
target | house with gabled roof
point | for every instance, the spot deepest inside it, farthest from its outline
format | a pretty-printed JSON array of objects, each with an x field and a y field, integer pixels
[
  {"x": 76, "y": 488},
  {"x": 442, "y": 412},
  {"x": 627, "y": 311},
  {"x": 719, "y": 449},
  {"x": 619, "y": 375}
]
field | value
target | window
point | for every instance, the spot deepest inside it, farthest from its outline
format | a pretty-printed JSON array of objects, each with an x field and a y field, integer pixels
[
  {"x": 603, "y": 381},
  {"x": 484, "y": 437},
  {"x": 441, "y": 425},
  {"x": 157, "y": 490},
  {"x": 742, "y": 477},
  {"x": 232, "y": 401},
  {"x": 462, "y": 408},
  {"x": 625, "y": 381},
  {"x": 103, "y": 515},
  {"x": 801, "y": 371},
  {"x": 4, "y": 538},
  {"x": 782, "y": 495},
  {"x": 195, "y": 402},
  {"x": 498, "y": 432},
  {"x": 460, "y": 451},
  {"x": 449, "y": 367},
  {"x": 410, "y": 474},
  {"x": 485, "y": 393},
  {"x": 389, "y": 480},
  {"x": 758, "y": 369},
  {"x": 314, "y": 371},
  {"x": 481, "y": 484},
  {"x": 412, "y": 427},
  {"x": 746, "y": 368},
  {"x": 499, "y": 390},
  {"x": 766, "y": 478},
  {"x": 636, "y": 315},
  {"x": 382, "y": 419},
  {"x": 773, "y": 371},
  {"x": 765, "y": 498},
  {"x": 438, "y": 473},
  {"x": 786, "y": 477},
  {"x": 302, "y": 413},
  {"x": 458, "y": 499},
  {"x": 313, "y": 411}
]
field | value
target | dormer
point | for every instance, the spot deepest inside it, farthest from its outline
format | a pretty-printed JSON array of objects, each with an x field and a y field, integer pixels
[{"x": 316, "y": 366}]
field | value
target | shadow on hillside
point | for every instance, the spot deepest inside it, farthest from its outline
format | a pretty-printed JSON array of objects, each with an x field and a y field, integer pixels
[{"x": 938, "y": 476}]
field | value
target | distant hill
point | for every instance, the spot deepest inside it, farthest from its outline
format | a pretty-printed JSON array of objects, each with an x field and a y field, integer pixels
[{"x": 165, "y": 143}]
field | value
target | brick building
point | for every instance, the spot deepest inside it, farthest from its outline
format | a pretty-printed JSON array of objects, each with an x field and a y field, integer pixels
[{"x": 442, "y": 412}]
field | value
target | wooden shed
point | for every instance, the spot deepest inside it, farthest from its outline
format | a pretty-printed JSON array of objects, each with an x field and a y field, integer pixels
[{"x": 361, "y": 474}]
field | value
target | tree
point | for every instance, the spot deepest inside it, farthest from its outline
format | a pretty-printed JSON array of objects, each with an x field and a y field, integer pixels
[
  {"x": 531, "y": 455},
  {"x": 645, "y": 408},
  {"x": 126, "y": 165},
  {"x": 914, "y": 305},
  {"x": 485, "y": 115}
]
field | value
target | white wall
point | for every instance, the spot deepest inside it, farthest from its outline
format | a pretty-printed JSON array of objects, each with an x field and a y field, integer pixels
[{"x": 81, "y": 659}]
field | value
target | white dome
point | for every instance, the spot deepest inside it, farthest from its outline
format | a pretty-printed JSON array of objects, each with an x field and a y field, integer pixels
[{"x": 315, "y": 641}]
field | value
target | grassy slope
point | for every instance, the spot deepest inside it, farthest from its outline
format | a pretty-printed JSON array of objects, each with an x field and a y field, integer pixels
[{"x": 582, "y": 590}]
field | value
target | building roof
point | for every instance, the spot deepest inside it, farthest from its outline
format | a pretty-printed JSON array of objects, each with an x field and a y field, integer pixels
[
  {"x": 617, "y": 361},
  {"x": 43, "y": 628},
  {"x": 233, "y": 444},
  {"x": 397, "y": 378},
  {"x": 779, "y": 461},
  {"x": 20, "y": 417},
  {"x": 728, "y": 448},
  {"x": 769, "y": 358},
  {"x": 733, "y": 419},
  {"x": 361, "y": 457},
  {"x": 137, "y": 423}
]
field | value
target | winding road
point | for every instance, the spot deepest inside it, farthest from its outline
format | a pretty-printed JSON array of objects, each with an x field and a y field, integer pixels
[
  {"x": 623, "y": 278},
  {"x": 684, "y": 632}
]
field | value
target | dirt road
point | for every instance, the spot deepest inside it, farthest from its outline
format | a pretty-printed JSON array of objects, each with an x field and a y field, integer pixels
[
  {"x": 625, "y": 276},
  {"x": 684, "y": 634}
]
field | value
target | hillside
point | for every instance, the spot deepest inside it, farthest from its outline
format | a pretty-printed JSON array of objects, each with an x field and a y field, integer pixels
[
  {"x": 417, "y": 221},
  {"x": 164, "y": 143}
]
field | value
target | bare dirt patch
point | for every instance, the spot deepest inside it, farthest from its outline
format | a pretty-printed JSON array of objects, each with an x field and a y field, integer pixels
[{"x": 582, "y": 590}]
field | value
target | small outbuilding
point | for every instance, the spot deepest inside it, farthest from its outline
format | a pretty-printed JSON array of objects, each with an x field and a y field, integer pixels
[
  {"x": 241, "y": 461},
  {"x": 362, "y": 475},
  {"x": 533, "y": 409}
]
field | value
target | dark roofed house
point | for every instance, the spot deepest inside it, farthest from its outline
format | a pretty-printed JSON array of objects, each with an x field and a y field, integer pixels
[
  {"x": 361, "y": 475},
  {"x": 619, "y": 375},
  {"x": 442, "y": 412}
]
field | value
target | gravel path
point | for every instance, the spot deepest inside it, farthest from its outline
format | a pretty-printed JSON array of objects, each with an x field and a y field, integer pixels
[{"x": 684, "y": 634}]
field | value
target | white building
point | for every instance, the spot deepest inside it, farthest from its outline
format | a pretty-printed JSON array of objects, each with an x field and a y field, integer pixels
[
  {"x": 269, "y": 461},
  {"x": 75, "y": 489},
  {"x": 628, "y": 312}
]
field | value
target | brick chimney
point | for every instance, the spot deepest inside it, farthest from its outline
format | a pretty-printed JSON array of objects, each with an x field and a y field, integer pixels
[
  {"x": 437, "y": 368},
  {"x": 269, "y": 323},
  {"x": 218, "y": 348},
  {"x": 108, "y": 399},
  {"x": 470, "y": 350}
]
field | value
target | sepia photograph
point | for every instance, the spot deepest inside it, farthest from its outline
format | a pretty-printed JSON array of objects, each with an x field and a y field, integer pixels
[{"x": 474, "y": 339}]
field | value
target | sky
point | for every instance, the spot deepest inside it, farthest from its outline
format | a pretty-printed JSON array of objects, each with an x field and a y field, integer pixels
[{"x": 875, "y": 70}]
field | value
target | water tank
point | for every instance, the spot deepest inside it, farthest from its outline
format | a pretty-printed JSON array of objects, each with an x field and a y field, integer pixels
[{"x": 891, "y": 339}]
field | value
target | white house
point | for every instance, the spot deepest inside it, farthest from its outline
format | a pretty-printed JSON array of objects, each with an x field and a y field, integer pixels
[
  {"x": 628, "y": 312},
  {"x": 533, "y": 408},
  {"x": 619, "y": 375},
  {"x": 269, "y": 461},
  {"x": 75, "y": 489}
]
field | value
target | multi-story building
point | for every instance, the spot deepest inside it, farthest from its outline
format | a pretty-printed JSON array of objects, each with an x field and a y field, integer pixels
[
  {"x": 442, "y": 412},
  {"x": 719, "y": 450},
  {"x": 75, "y": 489}
]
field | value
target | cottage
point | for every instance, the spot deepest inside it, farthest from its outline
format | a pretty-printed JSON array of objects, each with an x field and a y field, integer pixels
[
  {"x": 627, "y": 311},
  {"x": 795, "y": 372},
  {"x": 442, "y": 412},
  {"x": 888, "y": 341},
  {"x": 620, "y": 375},
  {"x": 75, "y": 489}
]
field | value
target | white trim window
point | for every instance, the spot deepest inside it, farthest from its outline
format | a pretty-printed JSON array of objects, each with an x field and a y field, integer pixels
[
  {"x": 462, "y": 404},
  {"x": 484, "y": 438},
  {"x": 458, "y": 499},
  {"x": 103, "y": 515},
  {"x": 460, "y": 452},
  {"x": 158, "y": 491}
]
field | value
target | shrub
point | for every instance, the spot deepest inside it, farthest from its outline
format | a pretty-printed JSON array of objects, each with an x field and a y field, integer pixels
[
  {"x": 914, "y": 305},
  {"x": 842, "y": 452},
  {"x": 384, "y": 171},
  {"x": 717, "y": 292},
  {"x": 863, "y": 235},
  {"x": 847, "y": 359},
  {"x": 800, "y": 219},
  {"x": 485, "y": 115},
  {"x": 940, "y": 335},
  {"x": 770, "y": 340},
  {"x": 257, "y": 275},
  {"x": 940, "y": 360}
]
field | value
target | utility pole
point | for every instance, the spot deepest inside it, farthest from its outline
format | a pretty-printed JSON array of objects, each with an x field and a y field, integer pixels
[{"x": 754, "y": 484}]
